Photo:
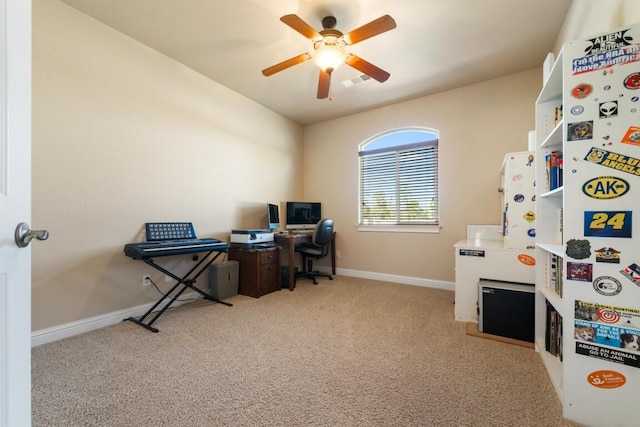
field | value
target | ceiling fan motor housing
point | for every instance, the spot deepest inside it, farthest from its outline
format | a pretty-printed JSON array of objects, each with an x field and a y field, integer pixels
[{"x": 329, "y": 22}]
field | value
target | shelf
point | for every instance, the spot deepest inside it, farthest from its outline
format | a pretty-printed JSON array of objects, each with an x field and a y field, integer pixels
[
  {"x": 554, "y": 139},
  {"x": 553, "y": 86},
  {"x": 556, "y": 192},
  {"x": 552, "y": 248},
  {"x": 554, "y": 299},
  {"x": 553, "y": 366}
]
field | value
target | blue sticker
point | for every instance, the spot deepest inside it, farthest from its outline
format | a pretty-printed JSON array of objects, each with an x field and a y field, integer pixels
[
  {"x": 531, "y": 232},
  {"x": 608, "y": 223}
]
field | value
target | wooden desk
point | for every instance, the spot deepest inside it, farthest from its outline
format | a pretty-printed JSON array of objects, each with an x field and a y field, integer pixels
[{"x": 291, "y": 240}]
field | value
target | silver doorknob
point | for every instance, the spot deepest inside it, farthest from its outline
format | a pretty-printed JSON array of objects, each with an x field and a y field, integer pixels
[{"x": 24, "y": 235}]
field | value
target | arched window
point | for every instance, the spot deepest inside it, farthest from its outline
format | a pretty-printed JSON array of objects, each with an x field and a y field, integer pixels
[{"x": 399, "y": 181}]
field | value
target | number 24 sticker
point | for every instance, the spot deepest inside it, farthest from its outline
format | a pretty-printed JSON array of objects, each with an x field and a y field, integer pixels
[{"x": 607, "y": 223}]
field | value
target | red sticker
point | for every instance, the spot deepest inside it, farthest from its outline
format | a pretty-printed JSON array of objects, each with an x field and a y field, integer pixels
[
  {"x": 632, "y": 81},
  {"x": 526, "y": 259},
  {"x": 582, "y": 91}
]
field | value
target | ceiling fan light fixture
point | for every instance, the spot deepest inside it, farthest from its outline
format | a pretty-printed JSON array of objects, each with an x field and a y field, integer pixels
[{"x": 329, "y": 55}]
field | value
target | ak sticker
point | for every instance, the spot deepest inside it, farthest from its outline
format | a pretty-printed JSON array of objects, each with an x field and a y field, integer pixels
[
  {"x": 613, "y": 160},
  {"x": 608, "y": 223},
  {"x": 605, "y": 187}
]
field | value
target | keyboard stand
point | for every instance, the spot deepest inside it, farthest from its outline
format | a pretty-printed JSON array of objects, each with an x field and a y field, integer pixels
[{"x": 187, "y": 282}]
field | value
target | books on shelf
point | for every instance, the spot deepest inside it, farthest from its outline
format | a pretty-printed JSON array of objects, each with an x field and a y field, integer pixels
[
  {"x": 556, "y": 273},
  {"x": 555, "y": 165},
  {"x": 557, "y": 116},
  {"x": 553, "y": 332}
]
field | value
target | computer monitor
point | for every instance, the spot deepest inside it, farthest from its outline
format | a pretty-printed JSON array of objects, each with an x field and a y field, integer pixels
[
  {"x": 303, "y": 215},
  {"x": 273, "y": 216}
]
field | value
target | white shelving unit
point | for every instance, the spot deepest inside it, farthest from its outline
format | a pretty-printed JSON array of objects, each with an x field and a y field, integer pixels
[{"x": 584, "y": 227}]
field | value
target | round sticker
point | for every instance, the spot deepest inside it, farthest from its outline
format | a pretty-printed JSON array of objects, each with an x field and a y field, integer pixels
[
  {"x": 606, "y": 379},
  {"x": 632, "y": 81},
  {"x": 607, "y": 285},
  {"x": 526, "y": 259},
  {"x": 582, "y": 91},
  {"x": 578, "y": 109}
]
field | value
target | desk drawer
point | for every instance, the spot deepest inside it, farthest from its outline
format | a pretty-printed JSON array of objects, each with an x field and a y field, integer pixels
[{"x": 269, "y": 257}]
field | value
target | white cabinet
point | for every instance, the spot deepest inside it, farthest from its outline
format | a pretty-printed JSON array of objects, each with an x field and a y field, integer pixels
[
  {"x": 488, "y": 259},
  {"x": 518, "y": 200},
  {"x": 587, "y": 246}
]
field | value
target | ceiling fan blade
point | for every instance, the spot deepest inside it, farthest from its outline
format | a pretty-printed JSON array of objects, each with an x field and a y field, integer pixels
[
  {"x": 373, "y": 28},
  {"x": 367, "y": 68},
  {"x": 324, "y": 82},
  {"x": 295, "y": 22},
  {"x": 286, "y": 64}
]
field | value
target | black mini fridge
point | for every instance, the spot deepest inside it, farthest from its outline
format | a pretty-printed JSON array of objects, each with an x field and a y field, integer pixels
[{"x": 506, "y": 309}]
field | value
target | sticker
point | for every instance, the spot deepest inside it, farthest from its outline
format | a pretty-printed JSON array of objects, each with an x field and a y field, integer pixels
[
  {"x": 580, "y": 131},
  {"x": 609, "y": 41},
  {"x": 531, "y": 232},
  {"x": 608, "y": 223},
  {"x": 632, "y": 273},
  {"x": 518, "y": 198},
  {"x": 608, "y": 109},
  {"x": 578, "y": 249},
  {"x": 632, "y": 81},
  {"x": 577, "y": 110},
  {"x": 582, "y": 91},
  {"x": 526, "y": 259},
  {"x": 529, "y": 216},
  {"x": 471, "y": 252},
  {"x": 613, "y": 160},
  {"x": 607, "y": 285},
  {"x": 608, "y": 255},
  {"x": 605, "y": 187},
  {"x": 606, "y": 379},
  {"x": 608, "y": 315},
  {"x": 608, "y": 354},
  {"x": 580, "y": 271},
  {"x": 632, "y": 136}
]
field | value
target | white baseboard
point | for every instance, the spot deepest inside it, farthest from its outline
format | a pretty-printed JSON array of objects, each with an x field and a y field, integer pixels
[{"x": 67, "y": 330}]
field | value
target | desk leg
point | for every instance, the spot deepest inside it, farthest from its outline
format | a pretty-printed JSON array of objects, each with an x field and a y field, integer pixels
[
  {"x": 292, "y": 265},
  {"x": 333, "y": 254}
]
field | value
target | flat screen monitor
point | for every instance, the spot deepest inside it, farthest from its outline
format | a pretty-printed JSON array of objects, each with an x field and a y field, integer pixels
[
  {"x": 273, "y": 216},
  {"x": 303, "y": 215}
]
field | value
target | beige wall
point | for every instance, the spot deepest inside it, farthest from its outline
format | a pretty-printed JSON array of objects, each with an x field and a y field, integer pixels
[
  {"x": 123, "y": 135},
  {"x": 589, "y": 17},
  {"x": 478, "y": 125}
]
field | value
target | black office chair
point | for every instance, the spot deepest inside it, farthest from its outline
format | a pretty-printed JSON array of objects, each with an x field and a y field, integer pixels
[{"x": 319, "y": 248}]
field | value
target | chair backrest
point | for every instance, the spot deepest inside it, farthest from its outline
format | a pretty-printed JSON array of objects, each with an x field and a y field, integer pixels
[{"x": 323, "y": 233}]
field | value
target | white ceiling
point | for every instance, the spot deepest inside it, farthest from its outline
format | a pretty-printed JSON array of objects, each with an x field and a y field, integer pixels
[{"x": 437, "y": 45}]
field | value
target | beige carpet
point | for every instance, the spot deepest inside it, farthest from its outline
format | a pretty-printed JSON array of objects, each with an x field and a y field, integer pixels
[{"x": 348, "y": 352}]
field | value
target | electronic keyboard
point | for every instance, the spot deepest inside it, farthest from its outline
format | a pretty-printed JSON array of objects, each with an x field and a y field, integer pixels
[{"x": 147, "y": 250}]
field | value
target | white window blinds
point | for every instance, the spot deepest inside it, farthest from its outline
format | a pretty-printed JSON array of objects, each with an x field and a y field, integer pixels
[{"x": 399, "y": 185}]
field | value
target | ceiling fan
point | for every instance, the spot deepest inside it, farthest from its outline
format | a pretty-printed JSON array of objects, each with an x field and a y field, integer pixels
[{"x": 329, "y": 49}]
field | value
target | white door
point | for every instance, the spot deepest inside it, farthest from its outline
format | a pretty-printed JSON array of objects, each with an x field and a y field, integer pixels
[{"x": 15, "y": 207}]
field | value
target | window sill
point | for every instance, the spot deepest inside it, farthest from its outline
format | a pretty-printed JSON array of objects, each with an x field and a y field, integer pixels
[{"x": 400, "y": 228}]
